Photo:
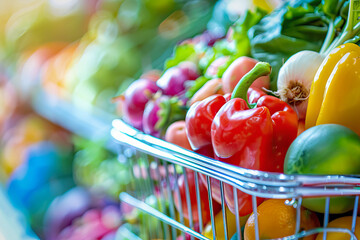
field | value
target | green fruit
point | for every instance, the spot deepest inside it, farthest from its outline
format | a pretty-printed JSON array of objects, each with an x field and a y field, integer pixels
[{"x": 325, "y": 149}]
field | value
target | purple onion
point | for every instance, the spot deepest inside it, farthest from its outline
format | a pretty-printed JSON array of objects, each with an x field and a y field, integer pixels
[
  {"x": 189, "y": 69},
  {"x": 172, "y": 82},
  {"x": 151, "y": 116},
  {"x": 136, "y": 97}
]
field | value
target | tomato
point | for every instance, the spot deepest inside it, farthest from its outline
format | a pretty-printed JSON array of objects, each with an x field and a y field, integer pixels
[
  {"x": 213, "y": 86},
  {"x": 237, "y": 70},
  {"x": 193, "y": 200},
  {"x": 176, "y": 134}
]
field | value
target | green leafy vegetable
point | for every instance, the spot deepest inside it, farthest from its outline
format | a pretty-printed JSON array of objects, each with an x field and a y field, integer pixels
[
  {"x": 207, "y": 59},
  {"x": 241, "y": 28},
  {"x": 350, "y": 31},
  {"x": 197, "y": 84},
  {"x": 182, "y": 53},
  {"x": 297, "y": 26},
  {"x": 171, "y": 110},
  {"x": 221, "y": 48},
  {"x": 304, "y": 25},
  {"x": 332, "y": 7}
]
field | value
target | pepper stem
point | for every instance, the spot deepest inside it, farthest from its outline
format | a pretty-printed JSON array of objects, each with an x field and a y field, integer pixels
[{"x": 241, "y": 88}]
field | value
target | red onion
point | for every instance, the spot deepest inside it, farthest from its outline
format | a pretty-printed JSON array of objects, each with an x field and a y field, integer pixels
[
  {"x": 151, "y": 116},
  {"x": 172, "y": 82},
  {"x": 135, "y": 98}
]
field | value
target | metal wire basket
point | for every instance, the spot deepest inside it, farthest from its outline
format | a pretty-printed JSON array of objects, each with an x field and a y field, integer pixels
[{"x": 156, "y": 165}]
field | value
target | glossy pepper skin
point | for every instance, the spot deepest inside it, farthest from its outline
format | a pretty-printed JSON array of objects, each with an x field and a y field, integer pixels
[
  {"x": 252, "y": 135},
  {"x": 198, "y": 123},
  {"x": 198, "y": 127},
  {"x": 334, "y": 97},
  {"x": 322, "y": 76},
  {"x": 285, "y": 128},
  {"x": 200, "y": 116}
]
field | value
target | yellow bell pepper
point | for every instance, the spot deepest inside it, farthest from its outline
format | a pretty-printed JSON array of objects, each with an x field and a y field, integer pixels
[{"x": 334, "y": 94}]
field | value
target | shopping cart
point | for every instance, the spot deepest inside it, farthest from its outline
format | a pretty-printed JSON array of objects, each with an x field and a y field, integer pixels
[{"x": 156, "y": 165}]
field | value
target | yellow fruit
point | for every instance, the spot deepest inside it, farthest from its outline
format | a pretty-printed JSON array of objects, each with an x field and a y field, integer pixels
[
  {"x": 343, "y": 222},
  {"x": 219, "y": 225},
  {"x": 278, "y": 220}
]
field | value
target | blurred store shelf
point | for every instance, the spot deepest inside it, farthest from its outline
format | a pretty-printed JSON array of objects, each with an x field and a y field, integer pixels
[{"x": 94, "y": 125}]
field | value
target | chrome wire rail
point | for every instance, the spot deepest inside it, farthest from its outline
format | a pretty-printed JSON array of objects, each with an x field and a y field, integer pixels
[
  {"x": 250, "y": 181},
  {"x": 156, "y": 166}
]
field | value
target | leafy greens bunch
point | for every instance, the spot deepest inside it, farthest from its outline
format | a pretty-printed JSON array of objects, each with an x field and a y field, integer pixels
[{"x": 301, "y": 25}]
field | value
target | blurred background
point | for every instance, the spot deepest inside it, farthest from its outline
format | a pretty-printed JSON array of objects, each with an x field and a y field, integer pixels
[{"x": 62, "y": 64}]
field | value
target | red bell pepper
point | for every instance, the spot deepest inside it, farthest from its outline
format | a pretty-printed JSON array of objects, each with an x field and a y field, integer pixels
[
  {"x": 198, "y": 123},
  {"x": 252, "y": 135},
  {"x": 200, "y": 116},
  {"x": 198, "y": 127}
]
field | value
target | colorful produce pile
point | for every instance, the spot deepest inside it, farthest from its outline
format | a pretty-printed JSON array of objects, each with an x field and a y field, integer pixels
[
  {"x": 277, "y": 94},
  {"x": 82, "y": 51}
]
